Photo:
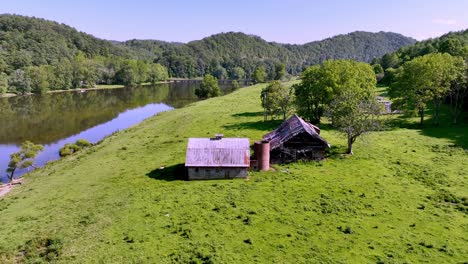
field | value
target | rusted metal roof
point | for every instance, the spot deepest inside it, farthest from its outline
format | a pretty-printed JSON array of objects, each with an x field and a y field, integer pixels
[
  {"x": 291, "y": 128},
  {"x": 225, "y": 152}
]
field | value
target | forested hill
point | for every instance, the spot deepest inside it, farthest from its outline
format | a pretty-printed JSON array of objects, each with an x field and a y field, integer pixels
[
  {"x": 454, "y": 43},
  {"x": 220, "y": 54},
  {"x": 26, "y": 41},
  {"x": 57, "y": 56}
]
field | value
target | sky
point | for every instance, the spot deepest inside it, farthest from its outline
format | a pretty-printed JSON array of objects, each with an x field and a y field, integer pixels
[{"x": 284, "y": 21}]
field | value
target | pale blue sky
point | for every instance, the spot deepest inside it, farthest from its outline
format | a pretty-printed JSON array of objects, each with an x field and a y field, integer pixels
[{"x": 286, "y": 21}]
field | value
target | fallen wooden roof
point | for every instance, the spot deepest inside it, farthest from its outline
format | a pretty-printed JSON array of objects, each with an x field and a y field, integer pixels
[
  {"x": 291, "y": 128},
  {"x": 225, "y": 152}
]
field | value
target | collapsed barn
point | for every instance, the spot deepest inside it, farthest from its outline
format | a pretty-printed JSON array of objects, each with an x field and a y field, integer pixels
[{"x": 296, "y": 139}]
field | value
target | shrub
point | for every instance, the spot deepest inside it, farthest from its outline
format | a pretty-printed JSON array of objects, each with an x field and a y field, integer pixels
[
  {"x": 83, "y": 143},
  {"x": 69, "y": 149}
]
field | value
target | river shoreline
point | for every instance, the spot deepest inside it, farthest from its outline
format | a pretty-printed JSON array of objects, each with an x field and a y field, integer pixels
[{"x": 98, "y": 87}]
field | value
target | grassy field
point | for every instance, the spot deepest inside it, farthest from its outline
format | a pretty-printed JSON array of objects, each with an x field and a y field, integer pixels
[{"x": 402, "y": 198}]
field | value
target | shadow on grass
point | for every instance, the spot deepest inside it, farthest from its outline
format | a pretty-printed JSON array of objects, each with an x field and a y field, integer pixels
[
  {"x": 457, "y": 133},
  {"x": 248, "y": 114},
  {"x": 402, "y": 122},
  {"x": 173, "y": 173},
  {"x": 257, "y": 125}
]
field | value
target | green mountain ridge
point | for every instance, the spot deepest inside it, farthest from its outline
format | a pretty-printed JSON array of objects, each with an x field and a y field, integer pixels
[
  {"x": 236, "y": 49},
  {"x": 454, "y": 43},
  {"x": 29, "y": 41}
]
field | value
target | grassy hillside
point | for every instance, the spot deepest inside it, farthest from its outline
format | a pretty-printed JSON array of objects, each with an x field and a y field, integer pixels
[{"x": 402, "y": 198}]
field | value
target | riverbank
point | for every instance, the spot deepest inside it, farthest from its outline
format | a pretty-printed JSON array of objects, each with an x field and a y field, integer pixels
[
  {"x": 390, "y": 202},
  {"x": 97, "y": 87},
  {"x": 6, "y": 188}
]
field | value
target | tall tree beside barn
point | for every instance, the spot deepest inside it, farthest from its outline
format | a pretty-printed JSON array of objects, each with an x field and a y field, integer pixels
[
  {"x": 276, "y": 100},
  {"x": 354, "y": 109},
  {"x": 312, "y": 94}
]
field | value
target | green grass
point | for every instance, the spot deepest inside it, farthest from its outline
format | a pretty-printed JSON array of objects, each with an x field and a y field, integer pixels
[
  {"x": 109, "y": 86},
  {"x": 402, "y": 198}
]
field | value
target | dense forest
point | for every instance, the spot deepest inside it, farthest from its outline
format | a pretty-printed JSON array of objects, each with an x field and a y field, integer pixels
[
  {"x": 237, "y": 55},
  {"x": 453, "y": 43},
  {"x": 427, "y": 74},
  {"x": 38, "y": 55}
]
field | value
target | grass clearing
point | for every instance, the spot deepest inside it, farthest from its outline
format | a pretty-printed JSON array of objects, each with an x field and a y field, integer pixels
[{"x": 401, "y": 198}]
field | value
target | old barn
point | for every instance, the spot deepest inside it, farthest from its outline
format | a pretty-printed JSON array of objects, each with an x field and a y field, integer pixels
[
  {"x": 217, "y": 158},
  {"x": 296, "y": 139}
]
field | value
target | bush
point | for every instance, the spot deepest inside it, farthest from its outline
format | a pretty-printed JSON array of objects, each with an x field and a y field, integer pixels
[
  {"x": 65, "y": 151},
  {"x": 69, "y": 149},
  {"x": 83, "y": 143}
]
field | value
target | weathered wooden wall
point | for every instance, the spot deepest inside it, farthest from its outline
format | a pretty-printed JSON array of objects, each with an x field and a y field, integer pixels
[{"x": 208, "y": 173}]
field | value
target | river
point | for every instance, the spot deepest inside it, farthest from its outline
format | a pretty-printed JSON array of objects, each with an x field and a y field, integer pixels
[{"x": 56, "y": 119}]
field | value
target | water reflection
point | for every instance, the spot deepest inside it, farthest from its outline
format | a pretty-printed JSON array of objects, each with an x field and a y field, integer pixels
[{"x": 56, "y": 119}]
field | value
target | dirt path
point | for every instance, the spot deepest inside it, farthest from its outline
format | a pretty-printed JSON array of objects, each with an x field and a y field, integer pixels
[{"x": 4, "y": 189}]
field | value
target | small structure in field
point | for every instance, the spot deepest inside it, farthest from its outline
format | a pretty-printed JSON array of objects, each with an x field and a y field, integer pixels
[
  {"x": 217, "y": 158},
  {"x": 296, "y": 140}
]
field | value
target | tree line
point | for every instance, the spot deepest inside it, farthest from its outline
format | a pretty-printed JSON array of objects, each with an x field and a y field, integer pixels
[
  {"x": 345, "y": 92},
  {"x": 38, "y": 55},
  {"x": 428, "y": 74},
  {"x": 236, "y": 55}
]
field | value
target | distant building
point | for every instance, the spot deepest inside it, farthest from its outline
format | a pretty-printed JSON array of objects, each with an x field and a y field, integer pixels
[
  {"x": 387, "y": 105},
  {"x": 217, "y": 158},
  {"x": 296, "y": 140}
]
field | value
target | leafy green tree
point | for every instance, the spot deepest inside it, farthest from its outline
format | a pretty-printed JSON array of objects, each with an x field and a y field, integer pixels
[
  {"x": 142, "y": 70},
  {"x": 452, "y": 46},
  {"x": 237, "y": 73},
  {"x": 208, "y": 87},
  {"x": 426, "y": 79},
  {"x": 220, "y": 73},
  {"x": 276, "y": 100},
  {"x": 128, "y": 73},
  {"x": 379, "y": 72},
  {"x": 63, "y": 76},
  {"x": 39, "y": 76},
  {"x": 280, "y": 71},
  {"x": 3, "y": 83},
  {"x": 389, "y": 76},
  {"x": 312, "y": 94},
  {"x": 259, "y": 75},
  {"x": 378, "y": 68},
  {"x": 235, "y": 85},
  {"x": 19, "y": 82},
  {"x": 355, "y": 114},
  {"x": 157, "y": 73},
  {"x": 23, "y": 158},
  {"x": 354, "y": 109},
  {"x": 390, "y": 61},
  {"x": 458, "y": 91}
]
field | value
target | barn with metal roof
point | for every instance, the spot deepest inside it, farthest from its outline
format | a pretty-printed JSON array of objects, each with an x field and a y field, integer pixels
[
  {"x": 217, "y": 158},
  {"x": 296, "y": 139}
]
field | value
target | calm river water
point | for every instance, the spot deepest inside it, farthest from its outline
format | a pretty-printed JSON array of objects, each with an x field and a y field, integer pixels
[{"x": 59, "y": 118}]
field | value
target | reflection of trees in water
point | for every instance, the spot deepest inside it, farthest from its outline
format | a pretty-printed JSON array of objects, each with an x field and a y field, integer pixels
[
  {"x": 50, "y": 117},
  {"x": 47, "y": 118}
]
